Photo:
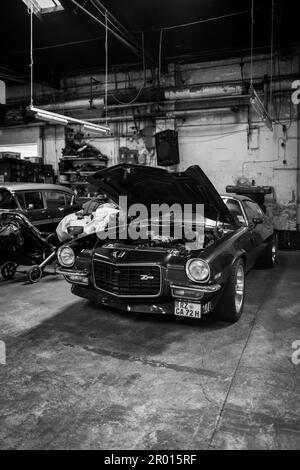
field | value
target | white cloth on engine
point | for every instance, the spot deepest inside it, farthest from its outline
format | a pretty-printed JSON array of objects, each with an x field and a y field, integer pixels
[{"x": 92, "y": 223}]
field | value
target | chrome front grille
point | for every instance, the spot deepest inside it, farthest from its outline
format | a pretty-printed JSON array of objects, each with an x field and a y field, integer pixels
[{"x": 127, "y": 280}]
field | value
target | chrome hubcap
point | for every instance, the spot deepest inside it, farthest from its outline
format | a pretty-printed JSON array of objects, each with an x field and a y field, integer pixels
[
  {"x": 239, "y": 288},
  {"x": 274, "y": 251}
]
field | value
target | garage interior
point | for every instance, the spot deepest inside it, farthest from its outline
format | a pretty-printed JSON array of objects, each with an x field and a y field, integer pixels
[{"x": 218, "y": 83}]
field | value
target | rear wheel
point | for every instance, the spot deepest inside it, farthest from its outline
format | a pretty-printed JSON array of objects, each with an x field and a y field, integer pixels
[
  {"x": 8, "y": 270},
  {"x": 231, "y": 303},
  {"x": 269, "y": 255}
]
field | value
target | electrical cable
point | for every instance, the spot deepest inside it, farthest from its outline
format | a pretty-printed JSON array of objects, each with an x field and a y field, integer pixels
[
  {"x": 278, "y": 108},
  {"x": 213, "y": 137},
  {"x": 255, "y": 101},
  {"x": 159, "y": 55},
  {"x": 291, "y": 112},
  {"x": 252, "y": 42},
  {"x": 40, "y": 111},
  {"x": 129, "y": 102},
  {"x": 144, "y": 61},
  {"x": 106, "y": 66},
  {"x": 31, "y": 53},
  {"x": 207, "y": 20},
  {"x": 271, "y": 53},
  {"x": 143, "y": 85}
]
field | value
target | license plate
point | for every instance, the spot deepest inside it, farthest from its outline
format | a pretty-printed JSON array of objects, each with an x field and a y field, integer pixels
[{"x": 187, "y": 309}]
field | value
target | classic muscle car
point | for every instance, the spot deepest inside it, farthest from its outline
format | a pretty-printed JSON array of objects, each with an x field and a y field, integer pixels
[{"x": 167, "y": 275}]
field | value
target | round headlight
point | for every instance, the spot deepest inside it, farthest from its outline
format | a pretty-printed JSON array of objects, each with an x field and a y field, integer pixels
[
  {"x": 66, "y": 256},
  {"x": 197, "y": 270}
]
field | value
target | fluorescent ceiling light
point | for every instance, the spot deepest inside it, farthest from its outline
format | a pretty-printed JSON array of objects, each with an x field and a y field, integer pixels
[
  {"x": 91, "y": 127},
  {"x": 47, "y": 3},
  {"x": 49, "y": 116},
  {"x": 40, "y": 5},
  {"x": 54, "y": 119}
]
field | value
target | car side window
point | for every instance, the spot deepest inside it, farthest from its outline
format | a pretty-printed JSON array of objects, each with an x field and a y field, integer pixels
[
  {"x": 21, "y": 200},
  {"x": 55, "y": 199},
  {"x": 235, "y": 209},
  {"x": 252, "y": 210},
  {"x": 69, "y": 199},
  {"x": 7, "y": 200},
  {"x": 33, "y": 200}
]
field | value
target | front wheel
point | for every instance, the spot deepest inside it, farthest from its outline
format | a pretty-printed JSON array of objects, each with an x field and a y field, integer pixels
[
  {"x": 231, "y": 303},
  {"x": 34, "y": 274}
]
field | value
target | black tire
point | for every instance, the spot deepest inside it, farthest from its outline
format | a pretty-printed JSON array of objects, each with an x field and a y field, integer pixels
[
  {"x": 230, "y": 305},
  {"x": 269, "y": 256},
  {"x": 8, "y": 270},
  {"x": 34, "y": 274}
]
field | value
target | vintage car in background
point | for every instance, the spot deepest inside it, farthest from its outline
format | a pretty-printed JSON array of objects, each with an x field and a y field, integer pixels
[
  {"x": 165, "y": 276},
  {"x": 43, "y": 204}
]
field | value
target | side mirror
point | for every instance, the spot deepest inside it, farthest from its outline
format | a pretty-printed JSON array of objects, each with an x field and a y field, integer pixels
[
  {"x": 257, "y": 220},
  {"x": 30, "y": 207}
]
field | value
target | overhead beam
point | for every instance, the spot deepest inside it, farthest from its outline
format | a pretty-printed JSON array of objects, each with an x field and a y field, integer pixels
[
  {"x": 112, "y": 19},
  {"x": 114, "y": 27},
  {"x": 11, "y": 75},
  {"x": 17, "y": 77}
]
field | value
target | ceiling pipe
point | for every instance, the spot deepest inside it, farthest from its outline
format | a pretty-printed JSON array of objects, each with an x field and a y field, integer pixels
[
  {"x": 203, "y": 92},
  {"x": 176, "y": 101},
  {"x": 74, "y": 105},
  {"x": 163, "y": 115},
  {"x": 99, "y": 104}
]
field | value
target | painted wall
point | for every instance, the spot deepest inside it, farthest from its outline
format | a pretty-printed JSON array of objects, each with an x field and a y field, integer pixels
[
  {"x": 219, "y": 141},
  {"x": 51, "y": 144},
  {"x": 19, "y": 135},
  {"x": 50, "y": 140},
  {"x": 222, "y": 150}
]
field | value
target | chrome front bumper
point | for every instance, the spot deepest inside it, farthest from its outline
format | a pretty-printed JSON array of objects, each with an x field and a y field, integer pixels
[
  {"x": 203, "y": 289},
  {"x": 209, "y": 289},
  {"x": 66, "y": 272}
]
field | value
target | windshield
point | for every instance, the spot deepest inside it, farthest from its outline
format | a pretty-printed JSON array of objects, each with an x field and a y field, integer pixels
[{"x": 234, "y": 207}]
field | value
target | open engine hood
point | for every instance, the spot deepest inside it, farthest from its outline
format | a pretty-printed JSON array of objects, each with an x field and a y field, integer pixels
[{"x": 151, "y": 185}]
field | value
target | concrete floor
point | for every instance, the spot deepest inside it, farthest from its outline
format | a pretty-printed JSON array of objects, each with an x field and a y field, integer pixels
[{"x": 78, "y": 376}]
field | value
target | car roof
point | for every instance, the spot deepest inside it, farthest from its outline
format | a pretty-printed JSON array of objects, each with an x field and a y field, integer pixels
[{"x": 34, "y": 186}]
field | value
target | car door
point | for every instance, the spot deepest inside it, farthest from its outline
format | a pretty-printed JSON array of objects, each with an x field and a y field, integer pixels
[
  {"x": 59, "y": 204},
  {"x": 260, "y": 231},
  {"x": 246, "y": 242},
  {"x": 34, "y": 209}
]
